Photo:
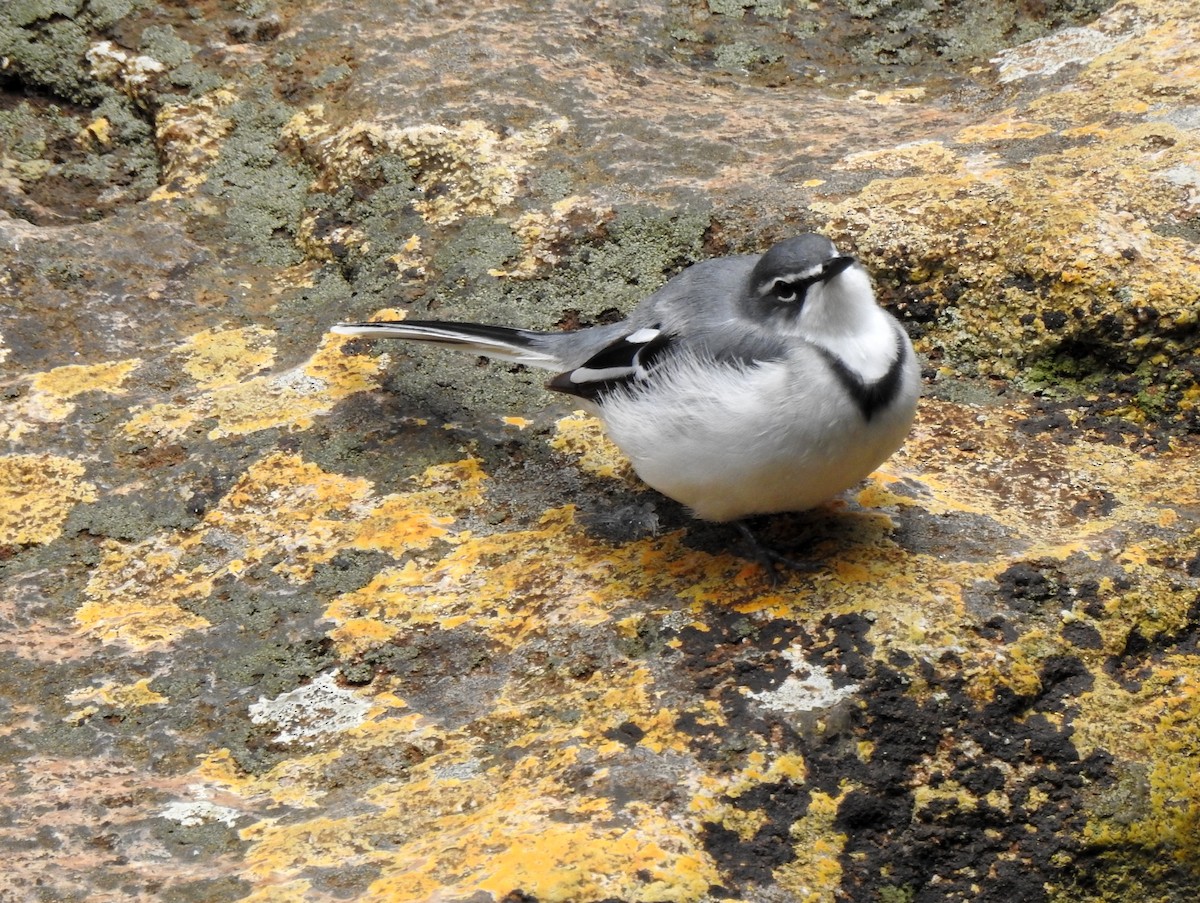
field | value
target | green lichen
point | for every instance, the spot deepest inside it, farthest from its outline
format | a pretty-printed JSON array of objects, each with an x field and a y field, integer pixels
[
  {"x": 261, "y": 193},
  {"x": 775, "y": 9},
  {"x": 50, "y": 55},
  {"x": 743, "y": 55},
  {"x": 914, "y": 32},
  {"x": 44, "y": 42},
  {"x": 41, "y": 147},
  {"x": 161, "y": 43}
]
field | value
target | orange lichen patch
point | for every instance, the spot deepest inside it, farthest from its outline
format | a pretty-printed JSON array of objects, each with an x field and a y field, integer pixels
[
  {"x": 50, "y": 397},
  {"x": 285, "y": 505},
  {"x": 399, "y": 524},
  {"x": 539, "y": 850},
  {"x": 37, "y": 493},
  {"x": 915, "y": 602},
  {"x": 409, "y": 261},
  {"x": 300, "y": 780},
  {"x": 137, "y": 593},
  {"x": 217, "y": 357},
  {"x": 388, "y": 313},
  {"x": 813, "y": 875},
  {"x": 582, "y": 435},
  {"x": 412, "y": 520},
  {"x": 119, "y": 696},
  {"x": 597, "y": 708},
  {"x": 522, "y": 583},
  {"x": 977, "y": 461},
  {"x": 713, "y": 802},
  {"x": 504, "y": 830},
  {"x": 283, "y": 513},
  {"x": 1002, "y": 129},
  {"x": 287, "y": 400},
  {"x": 1155, "y": 602},
  {"x": 1016, "y": 667},
  {"x": 75, "y": 379},
  {"x": 451, "y": 488},
  {"x": 464, "y": 170},
  {"x": 454, "y": 825},
  {"x": 318, "y": 239},
  {"x": 890, "y": 98}
]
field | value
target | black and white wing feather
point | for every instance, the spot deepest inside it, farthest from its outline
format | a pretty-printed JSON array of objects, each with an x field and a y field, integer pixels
[{"x": 624, "y": 362}]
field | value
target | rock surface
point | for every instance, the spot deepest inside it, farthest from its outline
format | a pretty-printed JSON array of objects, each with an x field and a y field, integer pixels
[{"x": 291, "y": 617}]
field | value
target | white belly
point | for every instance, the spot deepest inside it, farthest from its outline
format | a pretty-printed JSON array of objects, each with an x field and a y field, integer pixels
[{"x": 782, "y": 436}]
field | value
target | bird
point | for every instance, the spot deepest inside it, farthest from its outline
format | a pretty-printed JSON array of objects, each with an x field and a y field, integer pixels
[{"x": 747, "y": 385}]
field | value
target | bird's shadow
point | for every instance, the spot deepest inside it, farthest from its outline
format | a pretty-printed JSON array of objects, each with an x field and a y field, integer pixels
[{"x": 814, "y": 537}]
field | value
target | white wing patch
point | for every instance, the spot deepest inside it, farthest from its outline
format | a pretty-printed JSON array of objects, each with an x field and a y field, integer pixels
[{"x": 622, "y": 362}]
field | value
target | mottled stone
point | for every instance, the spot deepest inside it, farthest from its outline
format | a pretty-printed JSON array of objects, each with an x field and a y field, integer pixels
[{"x": 291, "y": 617}]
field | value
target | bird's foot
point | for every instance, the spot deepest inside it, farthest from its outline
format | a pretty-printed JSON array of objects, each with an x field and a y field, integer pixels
[{"x": 771, "y": 560}]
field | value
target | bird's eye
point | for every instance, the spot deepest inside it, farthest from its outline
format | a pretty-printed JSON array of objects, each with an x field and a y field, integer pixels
[{"x": 784, "y": 291}]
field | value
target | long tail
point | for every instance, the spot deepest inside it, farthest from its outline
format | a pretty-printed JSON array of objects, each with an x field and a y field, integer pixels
[{"x": 520, "y": 346}]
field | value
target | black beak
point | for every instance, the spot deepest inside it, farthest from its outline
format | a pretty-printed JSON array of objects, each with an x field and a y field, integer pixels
[{"x": 834, "y": 266}]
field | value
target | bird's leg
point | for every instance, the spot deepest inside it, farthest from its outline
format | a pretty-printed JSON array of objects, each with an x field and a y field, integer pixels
[{"x": 769, "y": 559}]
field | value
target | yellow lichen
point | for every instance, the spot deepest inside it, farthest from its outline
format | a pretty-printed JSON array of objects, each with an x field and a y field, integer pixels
[
  {"x": 217, "y": 357},
  {"x": 1163, "y": 713},
  {"x": 290, "y": 400},
  {"x": 37, "y": 493},
  {"x": 465, "y": 170},
  {"x": 815, "y": 874},
  {"x": 137, "y": 593},
  {"x": 890, "y": 98},
  {"x": 409, "y": 261},
  {"x": 456, "y": 824},
  {"x": 113, "y": 695},
  {"x": 1079, "y": 222},
  {"x": 189, "y": 139},
  {"x": 51, "y": 394},
  {"x": 541, "y": 232},
  {"x": 120, "y": 696},
  {"x": 582, "y": 435},
  {"x": 927, "y": 156},
  {"x": 99, "y": 130},
  {"x": 284, "y": 512},
  {"x": 503, "y": 583},
  {"x": 1005, "y": 127}
]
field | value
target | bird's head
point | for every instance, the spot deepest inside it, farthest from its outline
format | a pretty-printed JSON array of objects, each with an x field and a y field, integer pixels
[{"x": 803, "y": 284}]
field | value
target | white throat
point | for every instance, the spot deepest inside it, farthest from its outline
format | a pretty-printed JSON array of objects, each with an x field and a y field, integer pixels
[{"x": 841, "y": 316}]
